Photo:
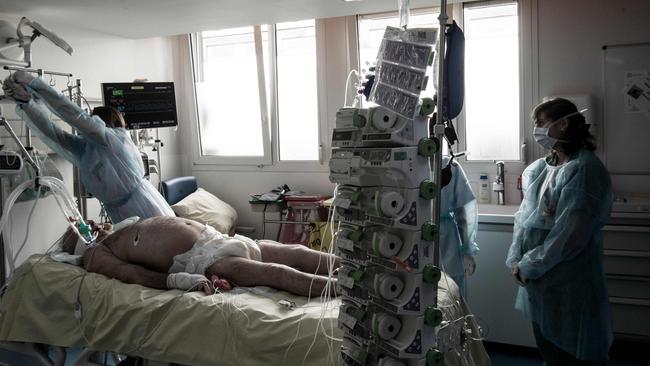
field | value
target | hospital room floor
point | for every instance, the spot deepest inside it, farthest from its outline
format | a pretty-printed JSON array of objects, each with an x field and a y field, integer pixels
[{"x": 621, "y": 354}]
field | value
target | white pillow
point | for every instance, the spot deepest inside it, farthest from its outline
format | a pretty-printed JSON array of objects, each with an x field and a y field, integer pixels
[{"x": 202, "y": 206}]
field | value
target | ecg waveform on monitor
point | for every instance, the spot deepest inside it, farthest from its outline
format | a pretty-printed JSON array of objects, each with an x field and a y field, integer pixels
[{"x": 143, "y": 105}]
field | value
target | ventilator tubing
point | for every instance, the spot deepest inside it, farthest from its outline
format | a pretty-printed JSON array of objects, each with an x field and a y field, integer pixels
[{"x": 63, "y": 199}]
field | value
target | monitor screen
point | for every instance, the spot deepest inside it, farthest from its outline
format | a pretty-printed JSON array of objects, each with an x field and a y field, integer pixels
[{"x": 143, "y": 105}]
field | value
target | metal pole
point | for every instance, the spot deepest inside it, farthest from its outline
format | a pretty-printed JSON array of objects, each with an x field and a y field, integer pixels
[
  {"x": 439, "y": 127},
  {"x": 158, "y": 145},
  {"x": 3, "y": 267},
  {"x": 37, "y": 71},
  {"x": 28, "y": 133},
  {"x": 80, "y": 191}
]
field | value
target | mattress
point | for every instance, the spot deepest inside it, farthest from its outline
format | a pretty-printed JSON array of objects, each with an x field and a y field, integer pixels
[{"x": 246, "y": 326}]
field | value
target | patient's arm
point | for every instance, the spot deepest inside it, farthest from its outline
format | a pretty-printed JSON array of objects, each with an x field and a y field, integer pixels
[
  {"x": 101, "y": 260},
  {"x": 246, "y": 272}
]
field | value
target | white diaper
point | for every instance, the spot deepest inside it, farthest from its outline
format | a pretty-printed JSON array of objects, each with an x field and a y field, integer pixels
[{"x": 212, "y": 246}]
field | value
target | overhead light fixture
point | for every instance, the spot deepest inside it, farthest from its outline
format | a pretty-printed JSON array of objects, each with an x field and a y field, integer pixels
[{"x": 350, "y": 1}]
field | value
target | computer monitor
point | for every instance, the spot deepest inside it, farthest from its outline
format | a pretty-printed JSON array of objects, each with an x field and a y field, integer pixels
[{"x": 143, "y": 105}]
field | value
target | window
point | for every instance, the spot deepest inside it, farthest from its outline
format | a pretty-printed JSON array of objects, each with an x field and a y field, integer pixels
[
  {"x": 371, "y": 30},
  {"x": 297, "y": 91},
  {"x": 492, "y": 109},
  {"x": 492, "y": 94},
  {"x": 243, "y": 123},
  {"x": 229, "y": 113}
]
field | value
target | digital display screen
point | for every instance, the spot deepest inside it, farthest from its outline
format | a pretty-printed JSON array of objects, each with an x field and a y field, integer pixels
[{"x": 143, "y": 105}]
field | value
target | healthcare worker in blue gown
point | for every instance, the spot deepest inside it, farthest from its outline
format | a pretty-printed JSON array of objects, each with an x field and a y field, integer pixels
[
  {"x": 556, "y": 252},
  {"x": 458, "y": 226},
  {"x": 109, "y": 162}
]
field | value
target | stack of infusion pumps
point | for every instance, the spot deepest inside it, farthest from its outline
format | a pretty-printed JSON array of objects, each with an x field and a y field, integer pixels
[{"x": 381, "y": 163}]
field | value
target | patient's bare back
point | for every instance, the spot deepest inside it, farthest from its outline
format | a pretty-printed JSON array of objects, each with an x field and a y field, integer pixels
[{"x": 154, "y": 242}]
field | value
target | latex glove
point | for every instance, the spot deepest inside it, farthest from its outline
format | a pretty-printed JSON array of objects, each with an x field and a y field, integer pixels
[
  {"x": 22, "y": 77},
  {"x": 189, "y": 282},
  {"x": 469, "y": 264},
  {"x": 16, "y": 91}
]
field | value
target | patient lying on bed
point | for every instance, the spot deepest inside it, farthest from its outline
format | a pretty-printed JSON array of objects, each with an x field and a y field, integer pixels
[{"x": 171, "y": 252}]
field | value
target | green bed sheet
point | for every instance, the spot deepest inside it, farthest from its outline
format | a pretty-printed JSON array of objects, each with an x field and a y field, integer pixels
[{"x": 247, "y": 326}]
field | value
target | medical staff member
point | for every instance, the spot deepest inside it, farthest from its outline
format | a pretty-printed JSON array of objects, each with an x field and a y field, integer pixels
[
  {"x": 458, "y": 226},
  {"x": 109, "y": 162},
  {"x": 556, "y": 253}
]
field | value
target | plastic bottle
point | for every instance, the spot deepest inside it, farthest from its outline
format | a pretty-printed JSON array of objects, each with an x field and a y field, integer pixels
[{"x": 484, "y": 189}]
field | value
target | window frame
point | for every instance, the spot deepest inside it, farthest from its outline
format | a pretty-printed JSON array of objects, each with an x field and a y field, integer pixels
[
  {"x": 527, "y": 82},
  {"x": 524, "y": 106},
  {"x": 270, "y": 121}
]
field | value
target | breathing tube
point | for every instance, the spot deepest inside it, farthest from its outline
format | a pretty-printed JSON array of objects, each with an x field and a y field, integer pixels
[{"x": 63, "y": 199}]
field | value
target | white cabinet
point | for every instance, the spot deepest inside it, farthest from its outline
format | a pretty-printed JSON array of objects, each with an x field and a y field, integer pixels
[
  {"x": 491, "y": 291},
  {"x": 626, "y": 261}
]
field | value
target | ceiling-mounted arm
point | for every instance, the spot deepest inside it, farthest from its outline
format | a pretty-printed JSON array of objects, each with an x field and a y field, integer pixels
[
  {"x": 39, "y": 30},
  {"x": 25, "y": 42}
]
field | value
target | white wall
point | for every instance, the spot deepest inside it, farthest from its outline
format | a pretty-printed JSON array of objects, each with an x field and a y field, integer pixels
[
  {"x": 97, "y": 58},
  {"x": 571, "y": 35}
]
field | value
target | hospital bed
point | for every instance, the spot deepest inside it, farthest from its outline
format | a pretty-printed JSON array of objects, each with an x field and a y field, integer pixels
[
  {"x": 247, "y": 326},
  {"x": 62, "y": 305}
]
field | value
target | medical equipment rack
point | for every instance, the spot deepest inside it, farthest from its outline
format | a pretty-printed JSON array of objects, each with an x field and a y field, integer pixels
[{"x": 389, "y": 314}]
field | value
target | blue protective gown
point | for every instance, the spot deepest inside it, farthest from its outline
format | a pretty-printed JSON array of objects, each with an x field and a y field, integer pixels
[
  {"x": 458, "y": 224},
  {"x": 557, "y": 243},
  {"x": 109, "y": 162}
]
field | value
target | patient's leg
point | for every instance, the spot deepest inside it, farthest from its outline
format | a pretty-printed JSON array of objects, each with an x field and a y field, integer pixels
[
  {"x": 246, "y": 272},
  {"x": 100, "y": 259},
  {"x": 297, "y": 256}
]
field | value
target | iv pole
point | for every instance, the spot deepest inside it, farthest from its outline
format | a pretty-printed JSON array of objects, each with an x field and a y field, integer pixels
[
  {"x": 439, "y": 127},
  {"x": 25, "y": 42},
  {"x": 79, "y": 190},
  {"x": 24, "y": 149}
]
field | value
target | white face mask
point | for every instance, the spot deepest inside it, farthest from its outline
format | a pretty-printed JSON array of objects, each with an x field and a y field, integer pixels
[
  {"x": 541, "y": 133},
  {"x": 541, "y": 136}
]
